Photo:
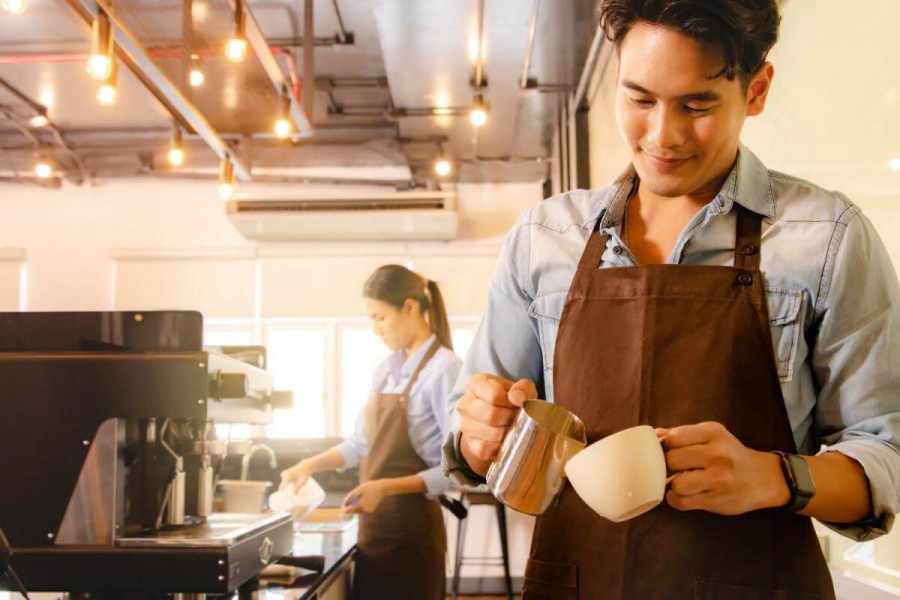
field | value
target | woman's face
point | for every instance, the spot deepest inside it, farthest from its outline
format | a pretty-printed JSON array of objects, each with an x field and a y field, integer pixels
[{"x": 393, "y": 325}]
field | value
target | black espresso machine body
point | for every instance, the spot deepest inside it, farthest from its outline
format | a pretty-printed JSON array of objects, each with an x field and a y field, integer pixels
[{"x": 109, "y": 457}]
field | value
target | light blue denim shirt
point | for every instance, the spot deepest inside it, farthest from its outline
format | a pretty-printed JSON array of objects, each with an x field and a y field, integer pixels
[
  {"x": 832, "y": 296},
  {"x": 427, "y": 411}
]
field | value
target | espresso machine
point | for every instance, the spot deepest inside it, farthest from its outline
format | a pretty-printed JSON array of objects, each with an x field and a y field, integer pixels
[{"x": 109, "y": 457}]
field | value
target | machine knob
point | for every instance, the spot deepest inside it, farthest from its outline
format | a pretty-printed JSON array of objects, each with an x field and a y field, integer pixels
[{"x": 228, "y": 385}]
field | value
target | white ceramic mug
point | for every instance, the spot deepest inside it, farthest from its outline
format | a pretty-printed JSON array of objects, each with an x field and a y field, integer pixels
[{"x": 621, "y": 476}]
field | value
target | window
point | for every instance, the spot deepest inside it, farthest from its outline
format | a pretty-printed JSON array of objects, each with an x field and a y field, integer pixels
[
  {"x": 327, "y": 364},
  {"x": 297, "y": 363}
]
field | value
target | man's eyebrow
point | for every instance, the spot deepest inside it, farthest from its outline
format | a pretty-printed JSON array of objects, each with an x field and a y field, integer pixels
[{"x": 707, "y": 96}]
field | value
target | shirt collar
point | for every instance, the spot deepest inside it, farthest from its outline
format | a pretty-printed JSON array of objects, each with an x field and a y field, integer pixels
[
  {"x": 401, "y": 367},
  {"x": 747, "y": 184}
]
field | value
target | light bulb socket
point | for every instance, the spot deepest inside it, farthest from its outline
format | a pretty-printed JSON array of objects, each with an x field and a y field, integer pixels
[
  {"x": 101, "y": 36},
  {"x": 226, "y": 172},
  {"x": 239, "y": 31}
]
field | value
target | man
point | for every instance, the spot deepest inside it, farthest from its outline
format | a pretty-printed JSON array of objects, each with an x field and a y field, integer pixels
[{"x": 750, "y": 316}]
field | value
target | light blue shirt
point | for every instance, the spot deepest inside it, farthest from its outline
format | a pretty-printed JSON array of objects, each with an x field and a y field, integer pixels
[
  {"x": 832, "y": 294},
  {"x": 427, "y": 410}
]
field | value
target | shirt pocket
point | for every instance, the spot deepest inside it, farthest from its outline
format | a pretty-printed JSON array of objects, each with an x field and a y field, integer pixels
[
  {"x": 784, "y": 321},
  {"x": 547, "y": 310}
]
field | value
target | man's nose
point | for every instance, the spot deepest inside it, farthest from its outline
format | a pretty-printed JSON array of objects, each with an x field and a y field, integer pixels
[{"x": 667, "y": 127}]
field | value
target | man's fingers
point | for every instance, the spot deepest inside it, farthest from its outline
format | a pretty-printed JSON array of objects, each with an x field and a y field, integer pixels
[
  {"x": 689, "y": 435},
  {"x": 481, "y": 431},
  {"x": 522, "y": 390},
  {"x": 488, "y": 414},
  {"x": 688, "y": 457},
  {"x": 491, "y": 389},
  {"x": 690, "y": 483}
]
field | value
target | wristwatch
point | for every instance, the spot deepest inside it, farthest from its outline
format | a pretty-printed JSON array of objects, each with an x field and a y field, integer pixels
[{"x": 799, "y": 480}]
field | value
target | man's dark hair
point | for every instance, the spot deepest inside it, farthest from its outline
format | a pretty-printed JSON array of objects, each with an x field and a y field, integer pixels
[{"x": 744, "y": 30}]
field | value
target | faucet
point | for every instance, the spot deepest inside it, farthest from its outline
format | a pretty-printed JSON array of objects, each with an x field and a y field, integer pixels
[{"x": 245, "y": 462}]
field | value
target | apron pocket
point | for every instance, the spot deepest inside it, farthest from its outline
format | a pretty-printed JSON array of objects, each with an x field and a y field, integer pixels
[
  {"x": 707, "y": 590},
  {"x": 550, "y": 580}
]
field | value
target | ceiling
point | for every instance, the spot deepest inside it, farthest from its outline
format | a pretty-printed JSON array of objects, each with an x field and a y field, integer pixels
[{"x": 393, "y": 79}]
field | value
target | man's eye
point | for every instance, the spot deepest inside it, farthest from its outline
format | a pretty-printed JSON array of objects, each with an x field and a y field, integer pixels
[
  {"x": 640, "y": 102},
  {"x": 697, "y": 110}
]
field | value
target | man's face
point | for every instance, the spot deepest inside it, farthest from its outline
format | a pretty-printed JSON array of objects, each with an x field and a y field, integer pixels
[{"x": 681, "y": 127}]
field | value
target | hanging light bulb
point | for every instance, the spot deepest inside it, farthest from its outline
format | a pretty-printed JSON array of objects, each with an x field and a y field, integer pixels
[
  {"x": 108, "y": 92},
  {"x": 100, "y": 62},
  {"x": 196, "y": 76},
  {"x": 14, "y": 7},
  {"x": 39, "y": 121},
  {"x": 283, "y": 125},
  {"x": 443, "y": 167},
  {"x": 479, "y": 113},
  {"x": 43, "y": 169},
  {"x": 226, "y": 179},
  {"x": 236, "y": 48},
  {"x": 176, "y": 148}
]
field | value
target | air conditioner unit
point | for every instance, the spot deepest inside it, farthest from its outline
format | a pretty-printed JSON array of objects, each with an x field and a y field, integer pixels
[{"x": 348, "y": 217}]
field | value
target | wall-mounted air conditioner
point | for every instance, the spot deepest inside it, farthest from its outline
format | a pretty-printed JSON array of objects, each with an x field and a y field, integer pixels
[{"x": 348, "y": 217}]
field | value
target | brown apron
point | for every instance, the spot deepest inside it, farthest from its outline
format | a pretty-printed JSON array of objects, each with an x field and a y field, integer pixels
[
  {"x": 669, "y": 345},
  {"x": 401, "y": 546}
]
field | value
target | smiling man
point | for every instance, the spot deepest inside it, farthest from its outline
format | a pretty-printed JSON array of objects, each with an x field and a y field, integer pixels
[{"x": 750, "y": 316}]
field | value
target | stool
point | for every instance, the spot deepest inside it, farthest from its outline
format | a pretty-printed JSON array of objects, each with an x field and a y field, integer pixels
[{"x": 469, "y": 499}]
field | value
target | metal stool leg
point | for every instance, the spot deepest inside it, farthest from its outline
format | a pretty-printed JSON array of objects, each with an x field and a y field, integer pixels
[
  {"x": 504, "y": 547},
  {"x": 460, "y": 546}
]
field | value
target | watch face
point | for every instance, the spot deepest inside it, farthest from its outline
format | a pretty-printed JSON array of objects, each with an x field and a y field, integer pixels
[{"x": 802, "y": 476}]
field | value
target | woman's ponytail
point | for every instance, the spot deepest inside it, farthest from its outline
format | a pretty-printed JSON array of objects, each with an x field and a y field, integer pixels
[{"x": 437, "y": 315}]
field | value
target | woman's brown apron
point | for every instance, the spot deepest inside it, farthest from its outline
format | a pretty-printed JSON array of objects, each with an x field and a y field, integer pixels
[
  {"x": 669, "y": 345},
  {"x": 401, "y": 546}
]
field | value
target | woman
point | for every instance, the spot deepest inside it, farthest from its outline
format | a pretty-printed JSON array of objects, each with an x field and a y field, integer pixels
[{"x": 397, "y": 442}]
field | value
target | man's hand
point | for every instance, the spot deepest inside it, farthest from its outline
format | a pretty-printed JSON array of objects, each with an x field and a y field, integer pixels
[
  {"x": 486, "y": 411},
  {"x": 717, "y": 473}
]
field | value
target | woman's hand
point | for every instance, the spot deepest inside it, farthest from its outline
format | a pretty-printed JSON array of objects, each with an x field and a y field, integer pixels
[
  {"x": 292, "y": 479},
  {"x": 366, "y": 497}
]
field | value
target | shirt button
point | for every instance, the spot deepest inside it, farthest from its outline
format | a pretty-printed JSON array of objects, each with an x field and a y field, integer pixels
[
  {"x": 749, "y": 249},
  {"x": 617, "y": 250},
  {"x": 745, "y": 279}
]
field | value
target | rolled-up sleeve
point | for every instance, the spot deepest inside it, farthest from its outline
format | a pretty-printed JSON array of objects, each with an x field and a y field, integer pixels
[
  {"x": 355, "y": 446},
  {"x": 856, "y": 363},
  {"x": 506, "y": 344}
]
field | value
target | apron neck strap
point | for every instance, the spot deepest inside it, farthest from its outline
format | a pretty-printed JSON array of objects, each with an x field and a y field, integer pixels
[
  {"x": 432, "y": 350},
  {"x": 747, "y": 238},
  {"x": 593, "y": 253}
]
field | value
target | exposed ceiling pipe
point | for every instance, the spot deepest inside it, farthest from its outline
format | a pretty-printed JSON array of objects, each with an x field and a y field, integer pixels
[
  {"x": 259, "y": 44},
  {"x": 478, "y": 81},
  {"x": 532, "y": 29},
  {"x": 309, "y": 75},
  {"x": 40, "y": 109},
  {"x": 141, "y": 64},
  {"x": 343, "y": 32}
]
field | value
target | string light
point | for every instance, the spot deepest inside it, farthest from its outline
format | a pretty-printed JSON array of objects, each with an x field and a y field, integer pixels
[
  {"x": 176, "y": 148},
  {"x": 443, "y": 167},
  {"x": 283, "y": 125},
  {"x": 226, "y": 179},
  {"x": 108, "y": 92},
  {"x": 196, "y": 76},
  {"x": 479, "y": 113},
  {"x": 236, "y": 48},
  {"x": 99, "y": 64},
  {"x": 43, "y": 169}
]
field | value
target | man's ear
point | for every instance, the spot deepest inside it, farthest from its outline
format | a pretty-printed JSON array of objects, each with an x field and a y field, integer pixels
[{"x": 758, "y": 90}]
